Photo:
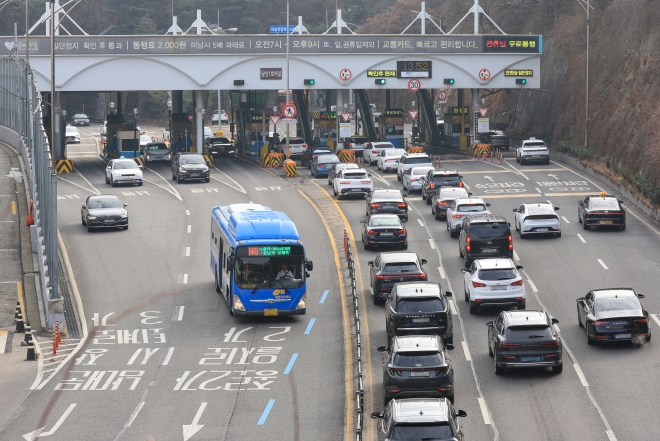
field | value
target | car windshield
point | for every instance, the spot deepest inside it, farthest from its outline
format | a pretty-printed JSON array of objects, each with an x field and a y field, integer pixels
[
  {"x": 604, "y": 204},
  {"x": 540, "y": 209},
  {"x": 261, "y": 272},
  {"x": 80, "y": 115},
  {"x": 328, "y": 159},
  {"x": 529, "y": 331},
  {"x": 157, "y": 147},
  {"x": 220, "y": 141},
  {"x": 449, "y": 193},
  {"x": 423, "y": 160},
  {"x": 71, "y": 130},
  {"x": 125, "y": 165},
  {"x": 295, "y": 141},
  {"x": 419, "y": 171},
  {"x": 97, "y": 203},
  {"x": 355, "y": 175},
  {"x": 392, "y": 152},
  {"x": 346, "y": 166},
  {"x": 489, "y": 231},
  {"x": 385, "y": 145},
  {"x": 387, "y": 195},
  {"x": 145, "y": 138},
  {"x": 359, "y": 140},
  {"x": 616, "y": 304},
  {"x": 497, "y": 274},
  {"x": 191, "y": 159},
  {"x": 384, "y": 222},
  {"x": 426, "y": 432},
  {"x": 417, "y": 359},
  {"x": 446, "y": 179},
  {"x": 467, "y": 208},
  {"x": 400, "y": 267},
  {"x": 535, "y": 144},
  {"x": 420, "y": 304}
]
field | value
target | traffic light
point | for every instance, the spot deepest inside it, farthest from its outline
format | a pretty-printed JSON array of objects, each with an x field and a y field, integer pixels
[
  {"x": 521, "y": 81},
  {"x": 379, "y": 81},
  {"x": 449, "y": 81},
  {"x": 239, "y": 82},
  {"x": 309, "y": 82}
]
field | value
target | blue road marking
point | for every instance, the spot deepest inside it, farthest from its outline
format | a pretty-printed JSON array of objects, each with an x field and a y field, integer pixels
[
  {"x": 290, "y": 365},
  {"x": 264, "y": 415},
  {"x": 309, "y": 327},
  {"x": 325, "y": 294}
]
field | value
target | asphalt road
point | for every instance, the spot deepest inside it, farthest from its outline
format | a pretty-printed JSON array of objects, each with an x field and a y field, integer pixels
[{"x": 156, "y": 368}]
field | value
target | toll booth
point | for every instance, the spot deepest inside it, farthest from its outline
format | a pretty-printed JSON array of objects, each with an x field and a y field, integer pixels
[
  {"x": 323, "y": 126},
  {"x": 255, "y": 129},
  {"x": 128, "y": 140},
  {"x": 114, "y": 126},
  {"x": 181, "y": 138},
  {"x": 453, "y": 120},
  {"x": 390, "y": 127}
]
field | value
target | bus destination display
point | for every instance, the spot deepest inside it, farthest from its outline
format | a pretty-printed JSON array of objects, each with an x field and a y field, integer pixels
[{"x": 269, "y": 251}]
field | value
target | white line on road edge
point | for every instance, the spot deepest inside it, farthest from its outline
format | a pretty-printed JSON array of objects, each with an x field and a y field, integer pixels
[
  {"x": 467, "y": 187},
  {"x": 86, "y": 180},
  {"x": 565, "y": 220},
  {"x": 581, "y": 238},
  {"x": 531, "y": 284},
  {"x": 188, "y": 212},
  {"x": 189, "y": 228},
  {"x": 537, "y": 190},
  {"x": 515, "y": 256},
  {"x": 442, "y": 273},
  {"x": 185, "y": 279},
  {"x": 452, "y": 306},
  {"x": 432, "y": 244},
  {"x": 168, "y": 357},
  {"x": 484, "y": 410},
  {"x": 468, "y": 357},
  {"x": 610, "y": 435},
  {"x": 421, "y": 224},
  {"x": 171, "y": 189},
  {"x": 654, "y": 317},
  {"x": 135, "y": 413},
  {"x": 187, "y": 251},
  {"x": 580, "y": 375},
  {"x": 602, "y": 264}
]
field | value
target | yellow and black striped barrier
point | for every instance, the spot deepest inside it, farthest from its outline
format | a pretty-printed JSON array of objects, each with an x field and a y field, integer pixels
[
  {"x": 272, "y": 160},
  {"x": 64, "y": 166},
  {"x": 209, "y": 160},
  {"x": 289, "y": 168},
  {"x": 415, "y": 149},
  {"x": 478, "y": 150},
  {"x": 347, "y": 155},
  {"x": 139, "y": 161}
]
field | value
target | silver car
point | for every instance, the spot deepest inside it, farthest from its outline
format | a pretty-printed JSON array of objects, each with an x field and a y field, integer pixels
[
  {"x": 413, "y": 178},
  {"x": 80, "y": 119},
  {"x": 462, "y": 207},
  {"x": 539, "y": 218},
  {"x": 156, "y": 151}
]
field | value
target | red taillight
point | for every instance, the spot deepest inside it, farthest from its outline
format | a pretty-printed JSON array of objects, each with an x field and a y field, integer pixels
[
  {"x": 400, "y": 232},
  {"x": 401, "y": 205},
  {"x": 509, "y": 345},
  {"x": 478, "y": 284},
  {"x": 375, "y": 205},
  {"x": 467, "y": 244},
  {"x": 344, "y": 182},
  {"x": 432, "y": 186},
  {"x": 380, "y": 277},
  {"x": 305, "y": 146},
  {"x": 350, "y": 144},
  {"x": 510, "y": 242},
  {"x": 375, "y": 152},
  {"x": 460, "y": 184},
  {"x": 442, "y": 371},
  {"x": 599, "y": 323},
  {"x": 365, "y": 182},
  {"x": 443, "y": 202},
  {"x": 457, "y": 216},
  {"x": 394, "y": 372},
  {"x": 644, "y": 320},
  {"x": 414, "y": 179},
  {"x": 517, "y": 283},
  {"x": 372, "y": 233},
  {"x": 550, "y": 344},
  {"x": 421, "y": 276}
]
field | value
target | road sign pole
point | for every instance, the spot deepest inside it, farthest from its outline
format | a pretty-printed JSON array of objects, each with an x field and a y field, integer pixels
[{"x": 286, "y": 143}]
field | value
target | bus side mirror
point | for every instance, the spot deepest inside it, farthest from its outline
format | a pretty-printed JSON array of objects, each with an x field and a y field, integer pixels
[{"x": 309, "y": 265}]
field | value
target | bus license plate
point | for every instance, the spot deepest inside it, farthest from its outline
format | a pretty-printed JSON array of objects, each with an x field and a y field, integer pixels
[{"x": 272, "y": 312}]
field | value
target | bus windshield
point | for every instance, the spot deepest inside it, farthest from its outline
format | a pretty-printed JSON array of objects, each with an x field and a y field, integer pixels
[{"x": 269, "y": 266}]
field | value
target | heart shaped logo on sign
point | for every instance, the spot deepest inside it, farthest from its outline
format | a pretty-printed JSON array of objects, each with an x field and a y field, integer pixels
[{"x": 10, "y": 45}]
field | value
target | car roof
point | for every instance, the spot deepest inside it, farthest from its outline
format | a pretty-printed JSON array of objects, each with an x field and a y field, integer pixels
[
  {"x": 540, "y": 208},
  {"x": 420, "y": 410},
  {"x": 398, "y": 256},
  {"x": 470, "y": 200},
  {"x": 347, "y": 165},
  {"x": 486, "y": 218},
  {"x": 328, "y": 156},
  {"x": 525, "y": 317},
  {"x": 446, "y": 189},
  {"x": 416, "y": 155},
  {"x": 427, "y": 168},
  {"x": 416, "y": 343},
  {"x": 444, "y": 172},
  {"x": 382, "y": 143},
  {"x": 614, "y": 292},
  {"x": 387, "y": 190},
  {"x": 103, "y": 196},
  {"x": 532, "y": 139},
  {"x": 355, "y": 170},
  {"x": 418, "y": 289},
  {"x": 189, "y": 153},
  {"x": 384, "y": 216},
  {"x": 499, "y": 262},
  {"x": 123, "y": 160}
]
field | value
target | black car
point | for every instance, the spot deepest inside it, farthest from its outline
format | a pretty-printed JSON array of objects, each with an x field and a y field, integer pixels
[
  {"x": 417, "y": 367},
  {"x": 497, "y": 140},
  {"x": 601, "y": 210},
  {"x": 384, "y": 229},
  {"x": 419, "y": 308},
  {"x": 104, "y": 211},
  {"x": 190, "y": 166},
  {"x": 357, "y": 144},
  {"x": 387, "y": 202},
  {"x": 613, "y": 315},
  {"x": 439, "y": 178},
  {"x": 219, "y": 145},
  {"x": 432, "y": 419},
  {"x": 524, "y": 339},
  {"x": 484, "y": 236},
  {"x": 308, "y": 154},
  {"x": 391, "y": 268}
]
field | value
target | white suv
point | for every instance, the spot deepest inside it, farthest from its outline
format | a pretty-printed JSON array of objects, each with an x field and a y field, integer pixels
[
  {"x": 409, "y": 160},
  {"x": 531, "y": 150},
  {"x": 493, "y": 282},
  {"x": 459, "y": 208}
]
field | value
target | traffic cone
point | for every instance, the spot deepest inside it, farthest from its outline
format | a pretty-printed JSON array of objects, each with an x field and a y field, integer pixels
[
  {"x": 18, "y": 311},
  {"x": 20, "y": 326},
  {"x": 31, "y": 353},
  {"x": 28, "y": 335}
]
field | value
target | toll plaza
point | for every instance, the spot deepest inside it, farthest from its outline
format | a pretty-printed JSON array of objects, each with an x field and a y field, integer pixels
[
  {"x": 390, "y": 127},
  {"x": 456, "y": 127}
]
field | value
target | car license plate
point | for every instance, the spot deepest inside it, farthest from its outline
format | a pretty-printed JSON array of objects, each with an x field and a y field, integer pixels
[
  {"x": 108, "y": 221},
  {"x": 606, "y": 222},
  {"x": 128, "y": 179},
  {"x": 69, "y": 138},
  {"x": 523, "y": 359},
  {"x": 356, "y": 189},
  {"x": 419, "y": 374},
  {"x": 498, "y": 288},
  {"x": 194, "y": 175},
  {"x": 622, "y": 336},
  {"x": 420, "y": 320},
  {"x": 541, "y": 230},
  {"x": 271, "y": 312},
  {"x": 536, "y": 156},
  {"x": 387, "y": 234},
  {"x": 489, "y": 250}
]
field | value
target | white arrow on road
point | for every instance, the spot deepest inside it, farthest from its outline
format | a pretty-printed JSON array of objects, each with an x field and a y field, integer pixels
[
  {"x": 553, "y": 176},
  {"x": 38, "y": 433},
  {"x": 193, "y": 428},
  {"x": 489, "y": 178}
]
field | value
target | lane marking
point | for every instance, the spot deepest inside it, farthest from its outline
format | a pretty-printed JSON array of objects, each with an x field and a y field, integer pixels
[
  {"x": 537, "y": 190},
  {"x": 134, "y": 414},
  {"x": 580, "y": 375},
  {"x": 515, "y": 255},
  {"x": 290, "y": 365},
  {"x": 581, "y": 238},
  {"x": 170, "y": 190},
  {"x": 565, "y": 220},
  {"x": 442, "y": 273},
  {"x": 185, "y": 279},
  {"x": 657, "y": 320},
  {"x": 468, "y": 357},
  {"x": 467, "y": 187},
  {"x": 188, "y": 212},
  {"x": 3, "y": 341},
  {"x": 187, "y": 251},
  {"x": 324, "y": 296},
  {"x": 556, "y": 326},
  {"x": 602, "y": 264},
  {"x": 485, "y": 172},
  {"x": 13, "y": 207},
  {"x": 432, "y": 244},
  {"x": 531, "y": 284},
  {"x": 452, "y": 306},
  {"x": 572, "y": 194},
  {"x": 309, "y": 326},
  {"x": 180, "y": 316},
  {"x": 484, "y": 410},
  {"x": 264, "y": 415},
  {"x": 421, "y": 224},
  {"x": 505, "y": 196},
  {"x": 189, "y": 228},
  {"x": 610, "y": 435},
  {"x": 168, "y": 357}
]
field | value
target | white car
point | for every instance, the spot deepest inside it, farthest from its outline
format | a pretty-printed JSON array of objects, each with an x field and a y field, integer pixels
[
  {"x": 493, "y": 282},
  {"x": 539, "y": 218},
  {"x": 532, "y": 150},
  {"x": 144, "y": 140},
  {"x": 224, "y": 118},
  {"x": 413, "y": 178},
  {"x": 352, "y": 182},
  {"x": 373, "y": 149},
  {"x": 459, "y": 208},
  {"x": 443, "y": 197},
  {"x": 388, "y": 159},
  {"x": 123, "y": 171},
  {"x": 297, "y": 147},
  {"x": 335, "y": 168},
  {"x": 409, "y": 160},
  {"x": 207, "y": 133},
  {"x": 72, "y": 135}
]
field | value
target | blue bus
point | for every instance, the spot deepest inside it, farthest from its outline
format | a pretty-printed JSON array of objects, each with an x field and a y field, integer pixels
[{"x": 258, "y": 261}]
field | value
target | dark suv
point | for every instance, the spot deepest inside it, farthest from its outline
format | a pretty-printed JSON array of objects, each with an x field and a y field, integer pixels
[
  {"x": 393, "y": 267},
  {"x": 357, "y": 144},
  {"x": 484, "y": 236},
  {"x": 417, "y": 366},
  {"x": 419, "y": 308},
  {"x": 187, "y": 166},
  {"x": 439, "y": 178},
  {"x": 497, "y": 139}
]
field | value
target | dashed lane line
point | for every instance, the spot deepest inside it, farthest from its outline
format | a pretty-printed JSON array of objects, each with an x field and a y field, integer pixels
[
  {"x": 484, "y": 410},
  {"x": 466, "y": 350},
  {"x": 602, "y": 263},
  {"x": 421, "y": 224},
  {"x": 442, "y": 272},
  {"x": 565, "y": 220},
  {"x": 581, "y": 238},
  {"x": 432, "y": 244},
  {"x": 267, "y": 410},
  {"x": 531, "y": 284},
  {"x": 656, "y": 319}
]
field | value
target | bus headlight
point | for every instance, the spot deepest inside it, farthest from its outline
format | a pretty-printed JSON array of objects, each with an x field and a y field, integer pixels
[
  {"x": 238, "y": 305},
  {"x": 302, "y": 304}
]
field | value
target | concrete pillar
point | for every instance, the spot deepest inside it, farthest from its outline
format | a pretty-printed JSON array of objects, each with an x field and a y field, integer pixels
[{"x": 199, "y": 121}]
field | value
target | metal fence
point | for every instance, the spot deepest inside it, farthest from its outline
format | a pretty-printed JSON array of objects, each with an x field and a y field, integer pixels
[{"x": 21, "y": 115}]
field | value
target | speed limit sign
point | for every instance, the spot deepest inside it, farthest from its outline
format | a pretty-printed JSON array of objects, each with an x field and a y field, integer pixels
[{"x": 414, "y": 85}]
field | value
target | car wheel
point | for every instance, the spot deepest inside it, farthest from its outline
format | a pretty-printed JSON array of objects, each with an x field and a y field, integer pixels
[
  {"x": 453, "y": 234},
  {"x": 173, "y": 176},
  {"x": 473, "y": 308},
  {"x": 82, "y": 219},
  {"x": 558, "y": 234},
  {"x": 404, "y": 246},
  {"x": 579, "y": 321},
  {"x": 520, "y": 233},
  {"x": 466, "y": 261},
  {"x": 648, "y": 338},
  {"x": 490, "y": 350},
  {"x": 106, "y": 179},
  {"x": 423, "y": 196},
  {"x": 585, "y": 226},
  {"x": 522, "y": 305},
  {"x": 449, "y": 341},
  {"x": 515, "y": 224},
  {"x": 178, "y": 179},
  {"x": 366, "y": 245},
  {"x": 217, "y": 285},
  {"x": 517, "y": 159},
  {"x": 437, "y": 216},
  {"x": 398, "y": 177},
  {"x": 622, "y": 227},
  {"x": 589, "y": 340},
  {"x": 499, "y": 370},
  {"x": 205, "y": 180},
  {"x": 113, "y": 183},
  {"x": 126, "y": 227},
  {"x": 140, "y": 184},
  {"x": 89, "y": 229},
  {"x": 466, "y": 295},
  {"x": 334, "y": 191},
  {"x": 329, "y": 182},
  {"x": 558, "y": 369},
  {"x": 378, "y": 300},
  {"x": 405, "y": 219}
]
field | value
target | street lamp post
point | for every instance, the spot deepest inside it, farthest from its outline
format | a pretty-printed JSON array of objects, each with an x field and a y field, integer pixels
[
  {"x": 63, "y": 113},
  {"x": 169, "y": 118},
  {"x": 586, "y": 116},
  {"x": 287, "y": 70},
  {"x": 135, "y": 112}
]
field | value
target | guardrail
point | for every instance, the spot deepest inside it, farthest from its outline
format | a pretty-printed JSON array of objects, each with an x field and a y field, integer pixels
[{"x": 359, "y": 394}]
